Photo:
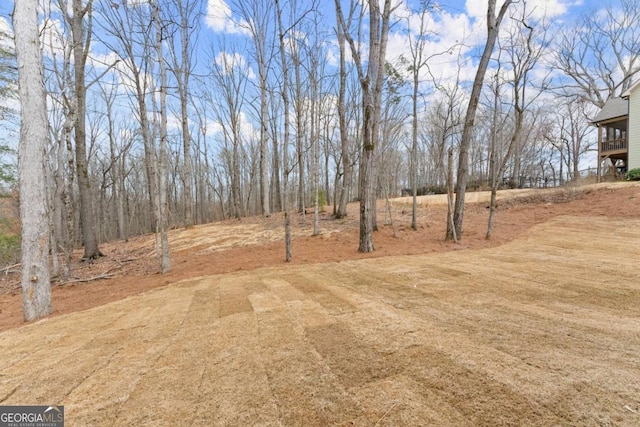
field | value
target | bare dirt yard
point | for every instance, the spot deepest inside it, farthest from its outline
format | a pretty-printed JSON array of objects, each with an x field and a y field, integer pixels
[{"x": 540, "y": 326}]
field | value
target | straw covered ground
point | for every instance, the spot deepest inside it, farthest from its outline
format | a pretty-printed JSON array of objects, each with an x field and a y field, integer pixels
[{"x": 541, "y": 328}]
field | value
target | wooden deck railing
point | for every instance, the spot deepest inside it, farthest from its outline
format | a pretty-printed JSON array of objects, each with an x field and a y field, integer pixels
[{"x": 613, "y": 145}]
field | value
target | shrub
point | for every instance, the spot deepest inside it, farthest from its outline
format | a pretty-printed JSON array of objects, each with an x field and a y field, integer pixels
[
  {"x": 322, "y": 200},
  {"x": 633, "y": 175},
  {"x": 9, "y": 249}
]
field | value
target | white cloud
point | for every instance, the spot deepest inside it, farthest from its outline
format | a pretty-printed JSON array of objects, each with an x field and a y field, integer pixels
[
  {"x": 53, "y": 40},
  {"x": 448, "y": 36},
  {"x": 232, "y": 62},
  {"x": 102, "y": 60},
  {"x": 220, "y": 19},
  {"x": 477, "y": 9},
  {"x": 6, "y": 33},
  {"x": 4, "y": 25},
  {"x": 248, "y": 132}
]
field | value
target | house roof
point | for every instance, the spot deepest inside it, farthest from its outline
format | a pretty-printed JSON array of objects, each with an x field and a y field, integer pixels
[
  {"x": 614, "y": 107},
  {"x": 627, "y": 93}
]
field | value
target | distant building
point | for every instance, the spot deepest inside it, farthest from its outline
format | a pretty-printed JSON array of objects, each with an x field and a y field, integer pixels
[
  {"x": 619, "y": 133},
  {"x": 613, "y": 149},
  {"x": 632, "y": 95}
]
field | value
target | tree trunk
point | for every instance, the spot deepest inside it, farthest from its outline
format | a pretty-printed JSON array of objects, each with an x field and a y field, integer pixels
[
  {"x": 450, "y": 224},
  {"x": 187, "y": 172},
  {"x": 344, "y": 136},
  {"x": 264, "y": 142},
  {"x": 163, "y": 210},
  {"x": 372, "y": 98},
  {"x": 285, "y": 149},
  {"x": 493, "y": 27},
  {"x": 236, "y": 196},
  {"x": 414, "y": 153},
  {"x": 276, "y": 199},
  {"x": 80, "y": 50},
  {"x": 367, "y": 180},
  {"x": 34, "y": 213},
  {"x": 300, "y": 134}
]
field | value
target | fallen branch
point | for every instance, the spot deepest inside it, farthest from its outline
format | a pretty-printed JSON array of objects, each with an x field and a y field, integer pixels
[
  {"x": 385, "y": 414},
  {"x": 9, "y": 269},
  {"x": 90, "y": 279}
]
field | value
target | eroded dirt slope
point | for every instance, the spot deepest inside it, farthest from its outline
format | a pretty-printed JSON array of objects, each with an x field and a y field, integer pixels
[{"x": 130, "y": 268}]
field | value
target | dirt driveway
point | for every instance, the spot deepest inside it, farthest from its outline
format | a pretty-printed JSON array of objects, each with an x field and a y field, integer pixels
[{"x": 544, "y": 330}]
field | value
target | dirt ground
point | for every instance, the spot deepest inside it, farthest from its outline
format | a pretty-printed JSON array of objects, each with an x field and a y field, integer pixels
[{"x": 540, "y": 326}]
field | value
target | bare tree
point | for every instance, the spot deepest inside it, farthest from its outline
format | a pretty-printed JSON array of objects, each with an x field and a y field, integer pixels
[
  {"x": 299, "y": 94},
  {"x": 573, "y": 122},
  {"x": 285, "y": 154},
  {"x": 600, "y": 54},
  {"x": 182, "y": 65},
  {"x": 444, "y": 117},
  {"x": 162, "y": 210},
  {"x": 257, "y": 15},
  {"x": 34, "y": 212},
  {"x": 116, "y": 155},
  {"x": 493, "y": 28},
  {"x": 129, "y": 32},
  {"x": 342, "y": 117},
  {"x": 524, "y": 46},
  {"x": 81, "y": 41},
  {"x": 497, "y": 162},
  {"x": 59, "y": 82},
  {"x": 231, "y": 78},
  {"x": 418, "y": 61},
  {"x": 371, "y": 83}
]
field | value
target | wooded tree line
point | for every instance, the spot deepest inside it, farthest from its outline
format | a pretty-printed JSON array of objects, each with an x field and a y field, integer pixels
[{"x": 152, "y": 125}]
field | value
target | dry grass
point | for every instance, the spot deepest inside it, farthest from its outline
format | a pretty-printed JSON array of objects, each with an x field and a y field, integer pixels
[{"x": 539, "y": 331}]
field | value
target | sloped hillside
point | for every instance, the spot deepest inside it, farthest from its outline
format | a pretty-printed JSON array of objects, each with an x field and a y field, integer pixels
[{"x": 542, "y": 330}]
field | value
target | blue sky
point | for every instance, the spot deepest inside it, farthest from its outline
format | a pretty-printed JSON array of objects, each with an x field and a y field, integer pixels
[
  {"x": 456, "y": 21},
  {"x": 455, "y": 14}
]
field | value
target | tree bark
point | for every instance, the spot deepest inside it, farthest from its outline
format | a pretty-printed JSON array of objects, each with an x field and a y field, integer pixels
[
  {"x": 450, "y": 224},
  {"x": 285, "y": 149},
  {"x": 372, "y": 98},
  {"x": 493, "y": 27},
  {"x": 34, "y": 212},
  {"x": 264, "y": 139},
  {"x": 163, "y": 211},
  {"x": 342, "y": 120},
  {"x": 371, "y": 83},
  {"x": 183, "y": 73},
  {"x": 81, "y": 41}
]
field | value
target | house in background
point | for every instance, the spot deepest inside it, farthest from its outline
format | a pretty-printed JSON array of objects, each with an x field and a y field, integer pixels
[
  {"x": 612, "y": 122},
  {"x": 619, "y": 133},
  {"x": 632, "y": 96}
]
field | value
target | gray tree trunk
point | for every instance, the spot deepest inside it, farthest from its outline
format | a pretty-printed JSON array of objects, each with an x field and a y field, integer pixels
[
  {"x": 163, "y": 209},
  {"x": 182, "y": 66},
  {"x": 300, "y": 128},
  {"x": 264, "y": 140},
  {"x": 371, "y": 83},
  {"x": 342, "y": 120},
  {"x": 34, "y": 212},
  {"x": 81, "y": 40},
  {"x": 285, "y": 149},
  {"x": 372, "y": 96},
  {"x": 493, "y": 27}
]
